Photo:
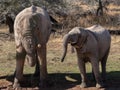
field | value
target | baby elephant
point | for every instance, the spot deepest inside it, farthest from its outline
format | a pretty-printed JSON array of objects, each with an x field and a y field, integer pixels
[{"x": 92, "y": 44}]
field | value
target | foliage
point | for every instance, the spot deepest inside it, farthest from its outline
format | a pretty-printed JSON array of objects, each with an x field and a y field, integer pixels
[
  {"x": 15, "y": 6},
  {"x": 69, "y": 13}
]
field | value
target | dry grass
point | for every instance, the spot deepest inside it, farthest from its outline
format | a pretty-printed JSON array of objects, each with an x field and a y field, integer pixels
[{"x": 113, "y": 9}]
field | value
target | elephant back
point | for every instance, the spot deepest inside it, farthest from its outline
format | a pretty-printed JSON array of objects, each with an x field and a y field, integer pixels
[{"x": 103, "y": 38}]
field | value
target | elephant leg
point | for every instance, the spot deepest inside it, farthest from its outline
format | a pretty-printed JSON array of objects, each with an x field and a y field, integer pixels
[
  {"x": 103, "y": 66},
  {"x": 43, "y": 64},
  {"x": 37, "y": 67},
  {"x": 10, "y": 28},
  {"x": 95, "y": 66},
  {"x": 93, "y": 75},
  {"x": 82, "y": 69},
  {"x": 20, "y": 58}
]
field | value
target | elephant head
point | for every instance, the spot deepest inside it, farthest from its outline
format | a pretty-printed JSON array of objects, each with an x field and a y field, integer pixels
[{"x": 76, "y": 37}]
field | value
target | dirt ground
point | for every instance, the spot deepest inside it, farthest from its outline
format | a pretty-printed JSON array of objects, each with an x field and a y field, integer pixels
[{"x": 57, "y": 82}]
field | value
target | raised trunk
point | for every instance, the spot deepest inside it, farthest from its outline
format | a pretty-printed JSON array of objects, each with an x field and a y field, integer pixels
[{"x": 65, "y": 44}]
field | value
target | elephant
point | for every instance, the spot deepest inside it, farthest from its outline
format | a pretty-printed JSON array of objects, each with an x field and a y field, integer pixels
[
  {"x": 92, "y": 45},
  {"x": 32, "y": 28},
  {"x": 10, "y": 23}
]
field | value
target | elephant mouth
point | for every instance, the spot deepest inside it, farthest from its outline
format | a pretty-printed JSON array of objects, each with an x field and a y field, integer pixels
[{"x": 31, "y": 60}]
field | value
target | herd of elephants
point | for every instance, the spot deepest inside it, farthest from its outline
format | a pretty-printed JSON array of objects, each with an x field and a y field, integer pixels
[{"x": 32, "y": 29}]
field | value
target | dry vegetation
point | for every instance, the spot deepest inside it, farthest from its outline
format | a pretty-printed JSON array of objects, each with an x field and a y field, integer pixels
[{"x": 85, "y": 16}]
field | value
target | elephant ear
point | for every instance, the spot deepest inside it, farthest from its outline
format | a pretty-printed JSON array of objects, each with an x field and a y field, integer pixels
[{"x": 83, "y": 36}]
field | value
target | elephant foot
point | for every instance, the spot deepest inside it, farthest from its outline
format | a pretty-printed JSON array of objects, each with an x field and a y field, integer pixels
[
  {"x": 100, "y": 85},
  {"x": 83, "y": 85},
  {"x": 16, "y": 85}
]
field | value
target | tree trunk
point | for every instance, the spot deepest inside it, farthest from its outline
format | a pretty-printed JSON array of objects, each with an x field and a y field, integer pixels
[{"x": 99, "y": 9}]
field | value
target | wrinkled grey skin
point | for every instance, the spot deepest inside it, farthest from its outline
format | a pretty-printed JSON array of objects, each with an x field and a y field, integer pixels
[
  {"x": 32, "y": 29},
  {"x": 92, "y": 44}
]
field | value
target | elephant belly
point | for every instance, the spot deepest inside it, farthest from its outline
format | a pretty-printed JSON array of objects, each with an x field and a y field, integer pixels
[{"x": 104, "y": 45}]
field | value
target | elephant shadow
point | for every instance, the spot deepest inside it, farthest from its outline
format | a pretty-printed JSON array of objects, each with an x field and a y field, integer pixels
[
  {"x": 63, "y": 81},
  {"x": 55, "y": 80}
]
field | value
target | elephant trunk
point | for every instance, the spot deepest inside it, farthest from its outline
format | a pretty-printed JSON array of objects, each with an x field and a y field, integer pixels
[
  {"x": 65, "y": 44},
  {"x": 31, "y": 60}
]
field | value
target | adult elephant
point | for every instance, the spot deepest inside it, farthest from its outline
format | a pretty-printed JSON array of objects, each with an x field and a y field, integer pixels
[
  {"x": 92, "y": 44},
  {"x": 32, "y": 29}
]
